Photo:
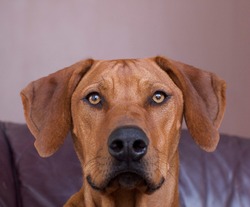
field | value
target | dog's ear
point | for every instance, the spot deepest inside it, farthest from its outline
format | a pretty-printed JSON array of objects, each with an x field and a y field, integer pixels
[
  {"x": 47, "y": 106},
  {"x": 204, "y": 100}
]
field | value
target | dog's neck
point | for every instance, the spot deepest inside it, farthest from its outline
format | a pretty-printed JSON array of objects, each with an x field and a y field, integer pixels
[
  {"x": 125, "y": 198},
  {"x": 137, "y": 199}
]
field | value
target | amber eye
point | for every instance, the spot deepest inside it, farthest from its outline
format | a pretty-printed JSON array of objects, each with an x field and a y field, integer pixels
[
  {"x": 94, "y": 98},
  {"x": 159, "y": 97}
]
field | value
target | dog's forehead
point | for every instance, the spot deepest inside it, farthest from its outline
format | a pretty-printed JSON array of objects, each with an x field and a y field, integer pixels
[{"x": 126, "y": 72}]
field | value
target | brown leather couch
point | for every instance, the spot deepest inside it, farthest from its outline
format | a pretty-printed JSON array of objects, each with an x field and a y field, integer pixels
[{"x": 219, "y": 179}]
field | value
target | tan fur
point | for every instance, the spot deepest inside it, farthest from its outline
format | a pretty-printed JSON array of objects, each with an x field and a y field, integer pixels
[{"x": 54, "y": 105}]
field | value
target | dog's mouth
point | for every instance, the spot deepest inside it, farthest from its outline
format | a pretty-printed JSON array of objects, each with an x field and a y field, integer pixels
[{"x": 127, "y": 180}]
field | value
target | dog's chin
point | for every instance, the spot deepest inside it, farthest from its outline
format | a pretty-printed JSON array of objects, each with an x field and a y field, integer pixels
[{"x": 127, "y": 181}]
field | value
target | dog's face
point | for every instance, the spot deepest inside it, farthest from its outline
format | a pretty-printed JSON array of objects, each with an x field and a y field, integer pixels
[
  {"x": 125, "y": 117},
  {"x": 126, "y": 124}
]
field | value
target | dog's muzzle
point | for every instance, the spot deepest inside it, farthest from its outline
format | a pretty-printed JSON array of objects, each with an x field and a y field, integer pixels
[{"x": 128, "y": 146}]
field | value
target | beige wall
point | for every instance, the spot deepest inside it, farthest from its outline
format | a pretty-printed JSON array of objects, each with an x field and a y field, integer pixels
[{"x": 38, "y": 37}]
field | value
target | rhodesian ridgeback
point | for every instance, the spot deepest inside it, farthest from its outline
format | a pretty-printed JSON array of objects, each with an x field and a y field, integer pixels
[{"x": 125, "y": 117}]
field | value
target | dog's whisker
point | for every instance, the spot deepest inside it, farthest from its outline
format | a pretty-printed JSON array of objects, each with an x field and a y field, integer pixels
[{"x": 95, "y": 159}]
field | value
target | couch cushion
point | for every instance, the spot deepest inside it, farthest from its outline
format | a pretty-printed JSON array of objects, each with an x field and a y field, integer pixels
[
  {"x": 8, "y": 195},
  {"x": 43, "y": 182},
  {"x": 221, "y": 178}
]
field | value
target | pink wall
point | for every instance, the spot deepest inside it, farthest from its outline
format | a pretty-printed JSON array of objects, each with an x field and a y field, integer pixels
[{"x": 39, "y": 37}]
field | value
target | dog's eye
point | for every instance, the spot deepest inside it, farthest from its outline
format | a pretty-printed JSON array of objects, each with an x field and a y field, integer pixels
[
  {"x": 94, "y": 98},
  {"x": 159, "y": 97}
]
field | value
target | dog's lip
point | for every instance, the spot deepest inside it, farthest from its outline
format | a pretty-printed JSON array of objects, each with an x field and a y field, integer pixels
[
  {"x": 121, "y": 179},
  {"x": 118, "y": 179}
]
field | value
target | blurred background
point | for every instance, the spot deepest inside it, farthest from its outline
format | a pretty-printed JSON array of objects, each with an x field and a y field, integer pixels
[{"x": 39, "y": 37}]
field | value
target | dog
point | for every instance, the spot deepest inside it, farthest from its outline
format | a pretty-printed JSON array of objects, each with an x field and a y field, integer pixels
[{"x": 125, "y": 117}]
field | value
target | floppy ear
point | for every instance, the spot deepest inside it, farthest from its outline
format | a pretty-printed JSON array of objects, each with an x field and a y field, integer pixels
[
  {"x": 47, "y": 106},
  {"x": 204, "y": 100}
]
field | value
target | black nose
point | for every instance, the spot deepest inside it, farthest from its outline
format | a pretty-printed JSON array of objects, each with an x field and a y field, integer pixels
[{"x": 128, "y": 143}]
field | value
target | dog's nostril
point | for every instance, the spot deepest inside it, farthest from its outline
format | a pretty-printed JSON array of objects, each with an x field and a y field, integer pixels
[
  {"x": 116, "y": 146},
  {"x": 139, "y": 149},
  {"x": 139, "y": 146}
]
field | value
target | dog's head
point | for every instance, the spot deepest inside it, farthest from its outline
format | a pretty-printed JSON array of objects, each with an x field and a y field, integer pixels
[{"x": 125, "y": 117}]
